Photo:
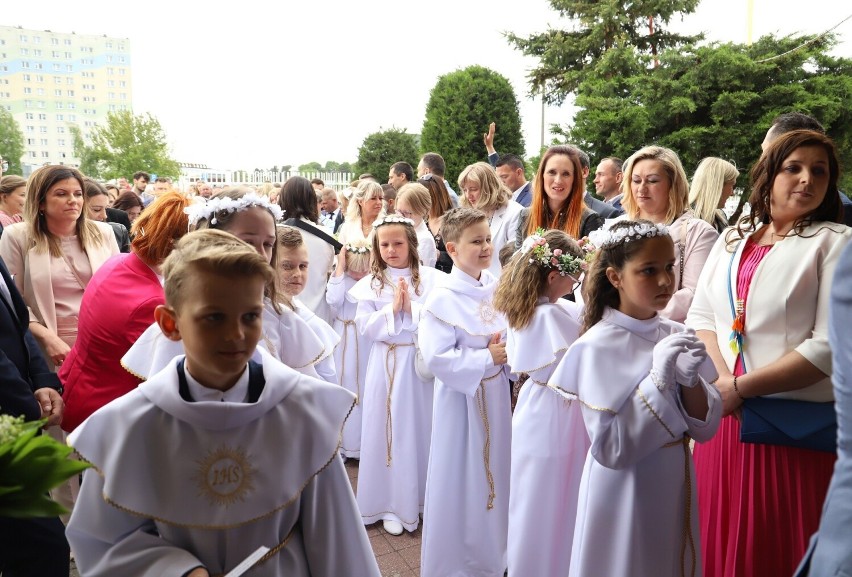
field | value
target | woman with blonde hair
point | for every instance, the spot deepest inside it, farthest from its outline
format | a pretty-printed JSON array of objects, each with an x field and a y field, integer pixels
[
  {"x": 712, "y": 185},
  {"x": 483, "y": 190},
  {"x": 366, "y": 204},
  {"x": 655, "y": 188},
  {"x": 558, "y": 197}
]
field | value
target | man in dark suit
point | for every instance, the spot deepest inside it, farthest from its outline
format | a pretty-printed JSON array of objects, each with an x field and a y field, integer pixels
[
  {"x": 28, "y": 547},
  {"x": 600, "y": 207},
  {"x": 510, "y": 168}
]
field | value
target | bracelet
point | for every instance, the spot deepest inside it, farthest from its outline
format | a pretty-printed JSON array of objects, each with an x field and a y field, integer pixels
[{"x": 737, "y": 389}]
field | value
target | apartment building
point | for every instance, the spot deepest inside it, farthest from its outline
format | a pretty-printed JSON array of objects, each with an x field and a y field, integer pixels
[{"x": 51, "y": 81}]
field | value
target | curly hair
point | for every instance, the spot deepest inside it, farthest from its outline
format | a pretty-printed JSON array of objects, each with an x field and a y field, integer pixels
[
  {"x": 767, "y": 168},
  {"x": 523, "y": 282},
  {"x": 598, "y": 291},
  {"x": 378, "y": 266}
]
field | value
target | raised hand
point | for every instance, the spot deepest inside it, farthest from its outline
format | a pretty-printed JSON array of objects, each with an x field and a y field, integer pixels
[{"x": 488, "y": 138}]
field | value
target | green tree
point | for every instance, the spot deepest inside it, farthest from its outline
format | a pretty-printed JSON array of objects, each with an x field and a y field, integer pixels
[
  {"x": 381, "y": 149},
  {"x": 310, "y": 167},
  {"x": 717, "y": 100},
  {"x": 126, "y": 144},
  {"x": 460, "y": 108},
  {"x": 11, "y": 142},
  {"x": 566, "y": 57}
]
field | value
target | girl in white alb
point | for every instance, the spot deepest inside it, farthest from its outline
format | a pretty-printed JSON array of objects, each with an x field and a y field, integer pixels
[
  {"x": 351, "y": 355},
  {"x": 288, "y": 338},
  {"x": 397, "y": 403},
  {"x": 549, "y": 440},
  {"x": 643, "y": 384}
]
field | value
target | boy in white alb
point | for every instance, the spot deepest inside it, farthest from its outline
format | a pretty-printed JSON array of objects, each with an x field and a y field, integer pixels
[
  {"x": 217, "y": 456},
  {"x": 465, "y": 519}
]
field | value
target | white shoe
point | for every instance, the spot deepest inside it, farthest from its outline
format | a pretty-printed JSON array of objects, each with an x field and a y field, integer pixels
[{"x": 393, "y": 527}]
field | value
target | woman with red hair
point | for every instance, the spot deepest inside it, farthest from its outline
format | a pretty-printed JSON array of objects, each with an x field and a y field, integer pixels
[
  {"x": 557, "y": 202},
  {"x": 117, "y": 307}
]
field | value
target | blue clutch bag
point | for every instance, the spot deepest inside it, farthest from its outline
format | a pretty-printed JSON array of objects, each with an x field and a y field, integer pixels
[{"x": 787, "y": 422}]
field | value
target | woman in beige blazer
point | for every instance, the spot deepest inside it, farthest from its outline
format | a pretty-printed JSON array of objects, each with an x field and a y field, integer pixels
[
  {"x": 758, "y": 504},
  {"x": 53, "y": 254}
]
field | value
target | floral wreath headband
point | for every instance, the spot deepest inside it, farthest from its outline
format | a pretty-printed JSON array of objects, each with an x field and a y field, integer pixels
[
  {"x": 357, "y": 249},
  {"x": 607, "y": 237},
  {"x": 392, "y": 219},
  {"x": 201, "y": 209},
  {"x": 564, "y": 264}
]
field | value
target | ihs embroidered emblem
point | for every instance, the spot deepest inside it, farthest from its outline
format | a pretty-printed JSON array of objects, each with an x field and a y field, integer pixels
[
  {"x": 225, "y": 476},
  {"x": 487, "y": 312}
]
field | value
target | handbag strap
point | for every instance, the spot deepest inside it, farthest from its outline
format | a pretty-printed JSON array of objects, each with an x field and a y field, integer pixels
[
  {"x": 298, "y": 223},
  {"x": 735, "y": 335}
]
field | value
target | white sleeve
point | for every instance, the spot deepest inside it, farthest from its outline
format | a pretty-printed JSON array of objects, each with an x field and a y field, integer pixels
[
  {"x": 458, "y": 367},
  {"x": 108, "y": 542}
]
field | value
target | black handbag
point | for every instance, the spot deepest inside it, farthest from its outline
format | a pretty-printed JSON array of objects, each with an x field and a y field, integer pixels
[{"x": 801, "y": 424}]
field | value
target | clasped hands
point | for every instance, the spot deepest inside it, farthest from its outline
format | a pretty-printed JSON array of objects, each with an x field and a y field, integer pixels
[{"x": 677, "y": 359}]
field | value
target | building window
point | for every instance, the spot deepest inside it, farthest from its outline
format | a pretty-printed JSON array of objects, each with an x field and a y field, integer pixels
[
  {"x": 67, "y": 42},
  {"x": 36, "y": 39},
  {"x": 27, "y": 77},
  {"x": 24, "y": 64},
  {"x": 72, "y": 118},
  {"x": 36, "y": 52},
  {"x": 28, "y": 103},
  {"x": 54, "y": 41},
  {"x": 59, "y": 105},
  {"x": 121, "y": 59},
  {"x": 29, "y": 115},
  {"x": 39, "y": 78},
  {"x": 44, "y": 142},
  {"x": 69, "y": 68},
  {"x": 45, "y": 154},
  {"x": 25, "y": 52},
  {"x": 69, "y": 93},
  {"x": 32, "y": 154},
  {"x": 42, "y": 129},
  {"x": 57, "y": 68},
  {"x": 30, "y": 141},
  {"x": 57, "y": 92},
  {"x": 42, "y": 116},
  {"x": 109, "y": 58},
  {"x": 30, "y": 128},
  {"x": 110, "y": 71},
  {"x": 40, "y": 104},
  {"x": 60, "y": 117},
  {"x": 71, "y": 106},
  {"x": 38, "y": 66},
  {"x": 22, "y": 38},
  {"x": 60, "y": 129},
  {"x": 40, "y": 91},
  {"x": 28, "y": 90}
]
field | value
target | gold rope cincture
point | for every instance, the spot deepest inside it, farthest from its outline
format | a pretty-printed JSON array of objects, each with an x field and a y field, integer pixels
[
  {"x": 482, "y": 404},
  {"x": 687, "y": 514},
  {"x": 346, "y": 325},
  {"x": 390, "y": 372},
  {"x": 272, "y": 552}
]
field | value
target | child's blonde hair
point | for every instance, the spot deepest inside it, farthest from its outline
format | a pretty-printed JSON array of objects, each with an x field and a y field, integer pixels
[
  {"x": 212, "y": 251},
  {"x": 417, "y": 197},
  {"x": 457, "y": 220},
  {"x": 358, "y": 254},
  {"x": 378, "y": 266},
  {"x": 523, "y": 282},
  {"x": 492, "y": 192}
]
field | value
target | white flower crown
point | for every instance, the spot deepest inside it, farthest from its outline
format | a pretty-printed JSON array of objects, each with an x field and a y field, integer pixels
[
  {"x": 606, "y": 237},
  {"x": 357, "y": 249},
  {"x": 200, "y": 208},
  {"x": 565, "y": 264},
  {"x": 392, "y": 219}
]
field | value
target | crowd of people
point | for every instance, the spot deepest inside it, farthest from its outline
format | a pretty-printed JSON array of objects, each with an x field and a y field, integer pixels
[{"x": 548, "y": 382}]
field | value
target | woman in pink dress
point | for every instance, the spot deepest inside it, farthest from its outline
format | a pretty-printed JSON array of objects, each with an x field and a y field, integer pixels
[{"x": 761, "y": 308}]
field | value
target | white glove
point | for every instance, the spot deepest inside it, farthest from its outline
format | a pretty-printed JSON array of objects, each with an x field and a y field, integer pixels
[
  {"x": 665, "y": 355},
  {"x": 689, "y": 363}
]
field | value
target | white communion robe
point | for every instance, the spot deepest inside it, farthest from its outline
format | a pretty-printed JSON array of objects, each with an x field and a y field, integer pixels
[
  {"x": 638, "y": 486},
  {"x": 350, "y": 357},
  {"x": 176, "y": 484},
  {"x": 325, "y": 367},
  {"x": 549, "y": 445},
  {"x": 467, "y": 491},
  {"x": 426, "y": 247},
  {"x": 285, "y": 336},
  {"x": 397, "y": 405}
]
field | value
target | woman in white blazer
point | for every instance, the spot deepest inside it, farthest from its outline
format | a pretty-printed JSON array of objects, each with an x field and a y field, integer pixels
[
  {"x": 482, "y": 189},
  {"x": 758, "y": 504}
]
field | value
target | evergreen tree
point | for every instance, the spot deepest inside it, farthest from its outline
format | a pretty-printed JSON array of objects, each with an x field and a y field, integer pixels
[
  {"x": 382, "y": 149},
  {"x": 461, "y": 106},
  {"x": 568, "y": 56}
]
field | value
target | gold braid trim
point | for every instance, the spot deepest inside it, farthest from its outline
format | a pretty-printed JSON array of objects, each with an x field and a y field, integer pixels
[
  {"x": 314, "y": 361},
  {"x": 482, "y": 404},
  {"x": 391, "y": 374},
  {"x": 653, "y": 412},
  {"x": 281, "y": 507},
  {"x": 132, "y": 372},
  {"x": 345, "y": 338}
]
